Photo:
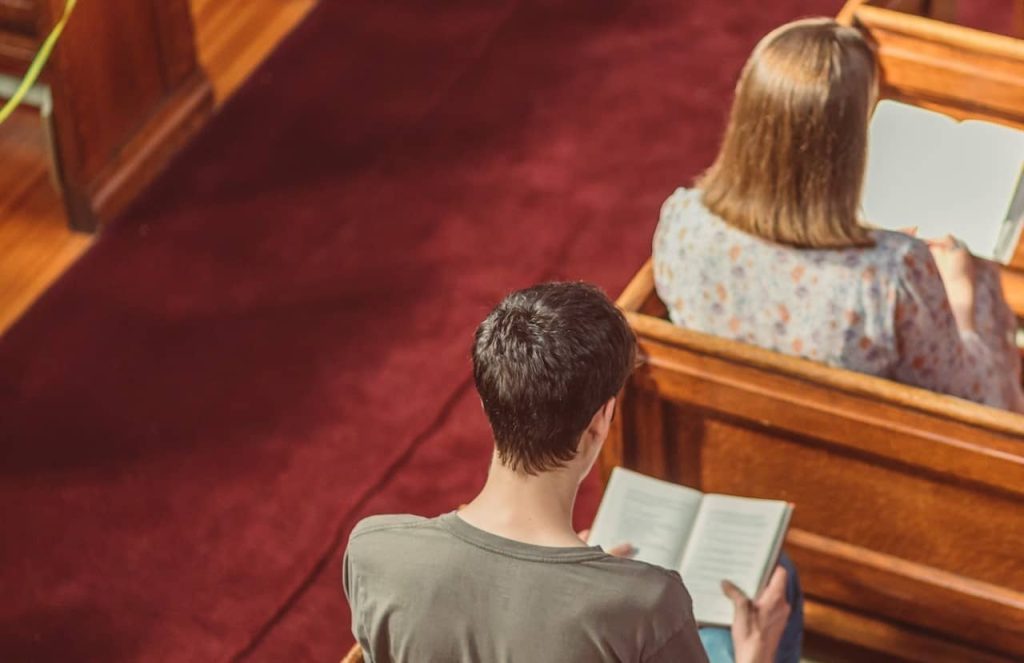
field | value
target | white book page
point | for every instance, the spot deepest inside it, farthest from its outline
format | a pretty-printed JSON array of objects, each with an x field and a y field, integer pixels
[
  {"x": 653, "y": 516},
  {"x": 1001, "y": 151},
  {"x": 732, "y": 539},
  {"x": 926, "y": 170},
  {"x": 1010, "y": 235}
]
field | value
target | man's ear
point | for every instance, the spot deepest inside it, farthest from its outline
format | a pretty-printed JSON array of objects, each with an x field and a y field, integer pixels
[
  {"x": 608, "y": 412},
  {"x": 602, "y": 419},
  {"x": 600, "y": 423}
]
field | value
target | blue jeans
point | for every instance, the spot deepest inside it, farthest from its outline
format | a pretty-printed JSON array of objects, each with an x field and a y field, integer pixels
[{"x": 718, "y": 641}]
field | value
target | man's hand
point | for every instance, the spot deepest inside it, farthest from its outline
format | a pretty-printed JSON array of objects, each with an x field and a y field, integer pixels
[
  {"x": 621, "y": 550},
  {"x": 757, "y": 625}
]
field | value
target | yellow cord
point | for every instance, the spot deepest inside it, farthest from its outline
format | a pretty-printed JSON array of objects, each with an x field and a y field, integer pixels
[{"x": 38, "y": 62}]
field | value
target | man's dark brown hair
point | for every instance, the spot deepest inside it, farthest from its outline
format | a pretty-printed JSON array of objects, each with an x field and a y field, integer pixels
[{"x": 545, "y": 360}]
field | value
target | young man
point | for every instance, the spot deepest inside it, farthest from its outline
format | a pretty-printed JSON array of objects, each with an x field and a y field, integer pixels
[{"x": 506, "y": 578}]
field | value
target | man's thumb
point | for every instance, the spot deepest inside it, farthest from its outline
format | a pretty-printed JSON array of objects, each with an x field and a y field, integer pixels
[{"x": 736, "y": 595}]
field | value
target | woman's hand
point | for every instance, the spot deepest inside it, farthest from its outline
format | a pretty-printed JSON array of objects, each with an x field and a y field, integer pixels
[{"x": 956, "y": 266}]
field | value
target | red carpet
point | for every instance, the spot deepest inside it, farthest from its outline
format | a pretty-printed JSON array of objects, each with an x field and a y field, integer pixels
[{"x": 274, "y": 342}]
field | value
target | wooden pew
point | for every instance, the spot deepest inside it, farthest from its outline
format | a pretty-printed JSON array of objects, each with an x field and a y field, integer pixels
[
  {"x": 909, "y": 521},
  {"x": 909, "y": 526}
]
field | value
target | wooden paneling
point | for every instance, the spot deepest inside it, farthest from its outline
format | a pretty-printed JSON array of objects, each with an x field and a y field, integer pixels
[
  {"x": 16, "y": 50},
  {"x": 18, "y": 16},
  {"x": 35, "y": 244},
  {"x": 115, "y": 74},
  {"x": 106, "y": 81},
  {"x": 912, "y": 512},
  {"x": 874, "y": 635},
  {"x": 891, "y": 589},
  {"x": 909, "y": 504}
]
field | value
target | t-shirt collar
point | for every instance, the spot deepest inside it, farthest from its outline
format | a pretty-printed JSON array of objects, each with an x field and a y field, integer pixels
[{"x": 512, "y": 548}]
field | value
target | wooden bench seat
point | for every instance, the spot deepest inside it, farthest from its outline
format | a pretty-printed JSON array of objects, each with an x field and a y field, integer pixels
[{"x": 909, "y": 521}]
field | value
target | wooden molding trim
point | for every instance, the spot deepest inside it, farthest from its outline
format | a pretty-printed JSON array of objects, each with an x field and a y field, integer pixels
[
  {"x": 945, "y": 450},
  {"x": 151, "y": 148},
  {"x": 668, "y": 337},
  {"x": 890, "y": 586},
  {"x": 956, "y": 70},
  {"x": 16, "y": 52},
  {"x": 639, "y": 295},
  {"x": 907, "y": 643},
  {"x": 639, "y": 289},
  {"x": 930, "y": 30},
  {"x": 845, "y": 15}
]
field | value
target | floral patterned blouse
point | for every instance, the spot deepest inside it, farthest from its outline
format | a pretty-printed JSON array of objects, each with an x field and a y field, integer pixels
[{"x": 880, "y": 310}]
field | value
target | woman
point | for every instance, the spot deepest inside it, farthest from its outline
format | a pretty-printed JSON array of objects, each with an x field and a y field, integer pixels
[{"x": 768, "y": 248}]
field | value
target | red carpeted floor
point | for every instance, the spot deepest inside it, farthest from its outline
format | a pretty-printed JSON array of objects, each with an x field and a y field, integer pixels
[{"x": 274, "y": 342}]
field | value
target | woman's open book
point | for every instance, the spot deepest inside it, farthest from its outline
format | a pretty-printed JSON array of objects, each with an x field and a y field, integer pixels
[
  {"x": 707, "y": 538},
  {"x": 927, "y": 170}
]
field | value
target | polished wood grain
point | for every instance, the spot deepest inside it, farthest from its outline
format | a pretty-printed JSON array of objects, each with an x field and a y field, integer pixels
[
  {"x": 960, "y": 71},
  {"x": 883, "y": 636},
  {"x": 354, "y": 655},
  {"x": 233, "y": 37},
  {"x": 127, "y": 92},
  {"x": 908, "y": 503},
  {"x": 36, "y": 245},
  {"x": 236, "y": 35}
]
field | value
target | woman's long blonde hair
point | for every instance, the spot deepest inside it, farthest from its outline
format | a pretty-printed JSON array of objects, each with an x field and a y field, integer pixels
[{"x": 791, "y": 165}]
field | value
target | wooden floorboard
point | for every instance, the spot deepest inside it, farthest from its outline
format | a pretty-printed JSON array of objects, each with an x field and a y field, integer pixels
[
  {"x": 35, "y": 243},
  {"x": 236, "y": 35},
  {"x": 233, "y": 37}
]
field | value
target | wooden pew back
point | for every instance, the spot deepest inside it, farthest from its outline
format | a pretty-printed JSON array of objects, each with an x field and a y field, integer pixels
[{"x": 909, "y": 521}]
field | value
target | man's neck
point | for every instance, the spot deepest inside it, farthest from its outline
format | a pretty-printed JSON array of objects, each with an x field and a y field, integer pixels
[{"x": 534, "y": 509}]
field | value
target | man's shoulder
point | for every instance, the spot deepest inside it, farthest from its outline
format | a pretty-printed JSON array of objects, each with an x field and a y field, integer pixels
[
  {"x": 386, "y": 522},
  {"x": 380, "y": 542},
  {"x": 647, "y": 585},
  {"x": 647, "y": 600}
]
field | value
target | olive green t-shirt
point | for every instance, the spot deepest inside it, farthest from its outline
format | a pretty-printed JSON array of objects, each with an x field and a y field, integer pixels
[{"x": 440, "y": 589}]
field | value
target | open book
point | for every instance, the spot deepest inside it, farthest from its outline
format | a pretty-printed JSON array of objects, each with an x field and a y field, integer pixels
[
  {"x": 706, "y": 538},
  {"x": 927, "y": 170}
]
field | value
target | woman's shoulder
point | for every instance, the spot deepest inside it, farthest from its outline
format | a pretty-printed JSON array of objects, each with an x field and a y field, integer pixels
[
  {"x": 893, "y": 240},
  {"x": 681, "y": 213},
  {"x": 899, "y": 247},
  {"x": 681, "y": 199},
  {"x": 684, "y": 209}
]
